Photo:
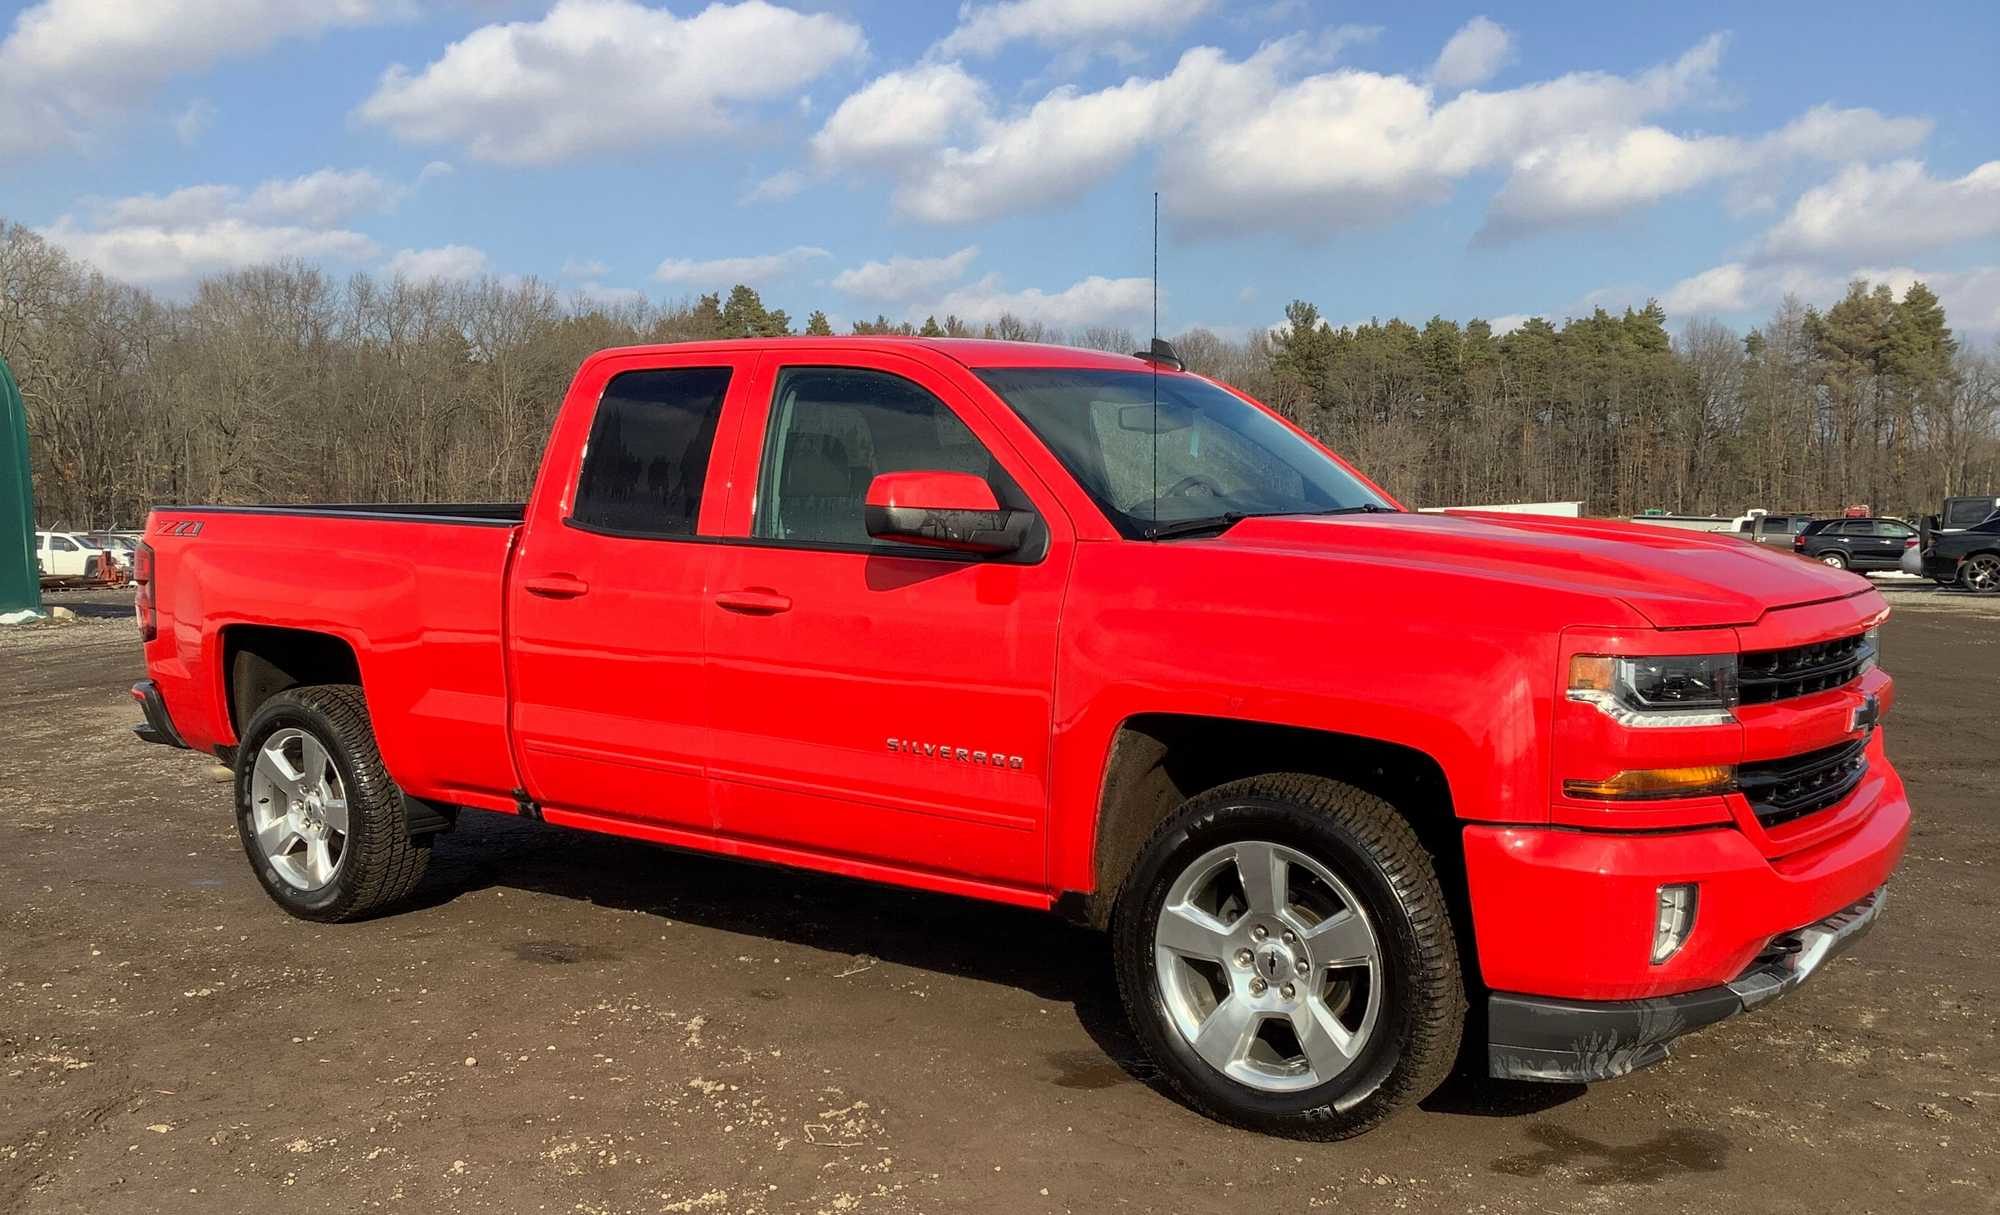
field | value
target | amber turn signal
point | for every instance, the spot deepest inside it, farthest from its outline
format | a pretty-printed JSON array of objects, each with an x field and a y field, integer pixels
[{"x": 1657, "y": 782}]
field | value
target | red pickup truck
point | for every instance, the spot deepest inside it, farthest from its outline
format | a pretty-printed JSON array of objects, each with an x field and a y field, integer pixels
[{"x": 1347, "y": 785}]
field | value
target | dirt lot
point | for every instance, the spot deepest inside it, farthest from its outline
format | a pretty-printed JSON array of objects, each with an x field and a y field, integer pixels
[{"x": 566, "y": 1023}]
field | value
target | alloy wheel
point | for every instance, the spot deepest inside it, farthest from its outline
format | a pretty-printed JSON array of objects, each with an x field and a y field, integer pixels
[
  {"x": 1982, "y": 573},
  {"x": 298, "y": 809},
  {"x": 1268, "y": 966}
]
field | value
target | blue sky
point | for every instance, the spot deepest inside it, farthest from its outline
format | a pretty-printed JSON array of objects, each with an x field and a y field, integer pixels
[{"x": 866, "y": 157}]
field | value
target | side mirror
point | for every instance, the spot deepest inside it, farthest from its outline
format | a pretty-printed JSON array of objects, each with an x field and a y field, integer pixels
[{"x": 949, "y": 510}]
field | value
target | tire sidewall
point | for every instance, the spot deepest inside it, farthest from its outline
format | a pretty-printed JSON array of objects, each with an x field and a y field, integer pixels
[
  {"x": 1349, "y": 1097},
  {"x": 1836, "y": 560},
  {"x": 282, "y": 711}
]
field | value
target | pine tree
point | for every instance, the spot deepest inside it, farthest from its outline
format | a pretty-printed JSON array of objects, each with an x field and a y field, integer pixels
[{"x": 817, "y": 325}]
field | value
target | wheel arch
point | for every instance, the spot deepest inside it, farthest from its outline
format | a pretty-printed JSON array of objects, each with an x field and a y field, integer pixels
[
  {"x": 1159, "y": 760},
  {"x": 260, "y": 661}
]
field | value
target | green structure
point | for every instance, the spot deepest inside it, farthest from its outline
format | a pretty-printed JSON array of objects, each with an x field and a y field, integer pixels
[{"x": 20, "y": 580}]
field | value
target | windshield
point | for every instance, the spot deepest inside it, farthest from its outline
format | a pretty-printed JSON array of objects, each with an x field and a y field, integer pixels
[{"x": 1216, "y": 455}]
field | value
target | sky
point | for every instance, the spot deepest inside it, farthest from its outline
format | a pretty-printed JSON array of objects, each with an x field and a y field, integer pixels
[{"x": 865, "y": 157}]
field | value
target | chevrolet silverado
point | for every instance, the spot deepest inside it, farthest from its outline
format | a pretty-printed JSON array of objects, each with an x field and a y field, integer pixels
[{"x": 1348, "y": 786}]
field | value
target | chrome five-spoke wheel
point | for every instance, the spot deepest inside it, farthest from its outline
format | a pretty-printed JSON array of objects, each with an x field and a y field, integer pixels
[
  {"x": 298, "y": 807},
  {"x": 1268, "y": 966}
]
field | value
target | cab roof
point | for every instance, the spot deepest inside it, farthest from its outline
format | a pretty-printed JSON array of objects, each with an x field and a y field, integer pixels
[{"x": 971, "y": 352}]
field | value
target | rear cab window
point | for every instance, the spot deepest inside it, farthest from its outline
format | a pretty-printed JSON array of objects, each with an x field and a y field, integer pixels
[{"x": 648, "y": 454}]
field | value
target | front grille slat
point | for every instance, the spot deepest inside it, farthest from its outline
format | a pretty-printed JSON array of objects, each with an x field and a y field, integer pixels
[
  {"x": 1770, "y": 675},
  {"x": 1785, "y": 790}
]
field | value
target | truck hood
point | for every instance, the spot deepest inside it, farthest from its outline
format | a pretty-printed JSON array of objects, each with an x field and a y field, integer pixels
[{"x": 1675, "y": 579}]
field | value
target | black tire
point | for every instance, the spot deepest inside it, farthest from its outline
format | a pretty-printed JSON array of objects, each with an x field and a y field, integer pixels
[
  {"x": 1363, "y": 841},
  {"x": 1832, "y": 557},
  {"x": 380, "y": 863},
  {"x": 1975, "y": 574}
]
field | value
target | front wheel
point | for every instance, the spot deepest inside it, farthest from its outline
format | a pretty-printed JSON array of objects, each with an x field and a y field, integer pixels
[
  {"x": 1286, "y": 955},
  {"x": 321, "y": 821},
  {"x": 1981, "y": 573}
]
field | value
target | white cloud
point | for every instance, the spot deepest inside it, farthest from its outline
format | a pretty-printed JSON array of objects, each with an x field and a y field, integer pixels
[
  {"x": 780, "y": 185},
  {"x": 325, "y": 197},
  {"x": 1475, "y": 54},
  {"x": 319, "y": 199},
  {"x": 901, "y": 115},
  {"x": 1092, "y": 301},
  {"x": 1724, "y": 288},
  {"x": 193, "y": 122},
  {"x": 597, "y": 75},
  {"x": 1826, "y": 133},
  {"x": 600, "y": 295},
  {"x": 69, "y": 68},
  {"x": 455, "y": 262},
  {"x": 1971, "y": 296},
  {"x": 173, "y": 256},
  {"x": 984, "y": 29},
  {"x": 901, "y": 279},
  {"x": 1596, "y": 174},
  {"x": 1889, "y": 211},
  {"x": 172, "y": 239},
  {"x": 1240, "y": 144},
  {"x": 584, "y": 267},
  {"x": 723, "y": 272}
]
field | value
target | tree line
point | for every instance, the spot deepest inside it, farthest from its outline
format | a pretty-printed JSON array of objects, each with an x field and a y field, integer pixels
[{"x": 285, "y": 384}]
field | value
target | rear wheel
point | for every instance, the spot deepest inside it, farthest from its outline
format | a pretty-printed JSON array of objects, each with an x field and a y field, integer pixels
[
  {"x": 1285, "y": 954},
  {"x": 1981, "y": 573},
  {"x": 1836, "y": 560},
  {"x": 322, "y": 823}
]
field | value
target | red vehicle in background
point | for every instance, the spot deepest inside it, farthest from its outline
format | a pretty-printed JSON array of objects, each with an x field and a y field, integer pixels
[{"x": 1083, "y": 632}]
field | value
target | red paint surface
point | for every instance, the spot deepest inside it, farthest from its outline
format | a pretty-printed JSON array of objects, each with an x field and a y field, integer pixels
[{"x": 827, "y": 708}]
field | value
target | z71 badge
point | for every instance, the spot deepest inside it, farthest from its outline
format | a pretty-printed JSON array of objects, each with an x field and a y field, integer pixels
[{"x": 957, "y": 755}]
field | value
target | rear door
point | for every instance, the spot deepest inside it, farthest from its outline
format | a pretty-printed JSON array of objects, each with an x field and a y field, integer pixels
[
  {"x": 608, "y": 590},
  {"x": 1886, "y": 539},
  {"x": 881, "y": 702}
]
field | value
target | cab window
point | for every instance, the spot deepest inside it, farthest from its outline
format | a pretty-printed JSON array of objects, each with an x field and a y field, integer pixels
[
  {"x": 647, "y": 459},
  {"x": 833, "y": 430}
]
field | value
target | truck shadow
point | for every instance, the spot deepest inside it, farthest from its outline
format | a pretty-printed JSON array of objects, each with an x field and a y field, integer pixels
[{"x": 1034, "y": 951}]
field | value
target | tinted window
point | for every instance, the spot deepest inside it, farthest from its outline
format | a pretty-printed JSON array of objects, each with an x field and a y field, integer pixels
[
  {"x": 649, "y": 449},
  {"x": 1202, "y": 452},
  {"x": 62, "y": 544},
  {"x": 833, "y": 431},
  {"x": 1893, "y": 530}
]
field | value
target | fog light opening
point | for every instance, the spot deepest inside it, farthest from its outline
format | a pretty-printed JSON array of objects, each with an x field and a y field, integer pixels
[{"x": 1673, "y": 920}]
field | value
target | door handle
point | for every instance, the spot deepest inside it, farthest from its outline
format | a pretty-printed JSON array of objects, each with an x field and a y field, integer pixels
[
  {"x": 555, "y": 586},
  {"x": 754, "y": 601}
]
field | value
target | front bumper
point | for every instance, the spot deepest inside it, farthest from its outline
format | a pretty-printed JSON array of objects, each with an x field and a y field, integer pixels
[{"x": 1539, "y": 1038}]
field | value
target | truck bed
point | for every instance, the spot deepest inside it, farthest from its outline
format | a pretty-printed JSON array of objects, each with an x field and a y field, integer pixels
[
  {"x": 488, "y": 514},
  {"x": 413, "y": 589}
]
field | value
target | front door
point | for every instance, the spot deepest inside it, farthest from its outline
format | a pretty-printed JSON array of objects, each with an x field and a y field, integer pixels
[
  {"x": 607, "y": 594},
  {"x": 876, "y": 701}
]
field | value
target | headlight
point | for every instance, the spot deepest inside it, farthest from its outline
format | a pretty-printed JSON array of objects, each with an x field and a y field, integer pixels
[
  {"x": 1871, "y": 649},
  {"x": 1696, "y": 690}
]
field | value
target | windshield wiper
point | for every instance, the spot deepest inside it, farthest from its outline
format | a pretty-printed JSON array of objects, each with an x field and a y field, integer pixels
[{"x": 1215, "y": 524}]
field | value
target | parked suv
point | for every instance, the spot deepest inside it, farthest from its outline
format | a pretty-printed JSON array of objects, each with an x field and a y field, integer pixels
[
  {"x": 1771, "y": 529},
  {"x": 1856, "y": 544}
]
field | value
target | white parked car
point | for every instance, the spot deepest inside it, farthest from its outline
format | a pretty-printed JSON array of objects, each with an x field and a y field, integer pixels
[{"x": 68, "y": 555}]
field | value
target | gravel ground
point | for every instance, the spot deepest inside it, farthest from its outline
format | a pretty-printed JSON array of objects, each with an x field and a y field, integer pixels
[{"x": 566, "y": 1023}]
